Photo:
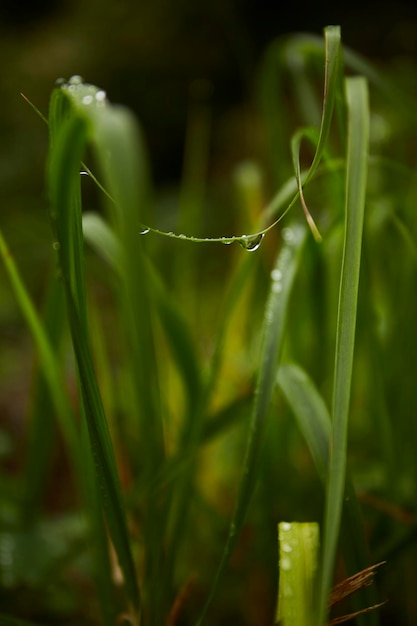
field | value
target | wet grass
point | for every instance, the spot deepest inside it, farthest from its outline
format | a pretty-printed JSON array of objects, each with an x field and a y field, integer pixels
[{"x": 189, "y": 394}]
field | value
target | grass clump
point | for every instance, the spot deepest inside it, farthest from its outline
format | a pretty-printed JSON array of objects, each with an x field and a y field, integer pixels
[{"x": 198, "y": 403}]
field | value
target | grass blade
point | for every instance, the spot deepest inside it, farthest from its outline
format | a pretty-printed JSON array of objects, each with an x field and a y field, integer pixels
[
  {"x": 357, "y": 153},
  {"x": 314, "y": 421},
  {"x": 68, "y": 141}
]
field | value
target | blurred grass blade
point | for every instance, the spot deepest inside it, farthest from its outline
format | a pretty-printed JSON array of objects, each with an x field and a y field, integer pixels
[
  {"x": 298, "y": 556},
  {"x": 42, "y": 429},
  {"x": 310, "y": 411},
  {"x": 356, "y": 172},
  {"x": 49, "y": 364},
  {"x": 276, "y": 310}
]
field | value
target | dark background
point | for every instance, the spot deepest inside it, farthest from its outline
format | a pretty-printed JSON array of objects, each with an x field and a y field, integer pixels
[{"x": 147, "y": 54}]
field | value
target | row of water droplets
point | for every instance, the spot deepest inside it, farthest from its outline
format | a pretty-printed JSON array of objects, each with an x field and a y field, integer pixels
[
  {"x": 92, "y": 95},
  {"x": 248, "y": 242},
  {"x": 98, "y": 97}
]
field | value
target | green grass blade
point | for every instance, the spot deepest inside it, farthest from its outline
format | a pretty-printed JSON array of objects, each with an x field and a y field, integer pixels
[
  {"x": 68, "y": 141},
  {"x": 48, "y": 360},
  {"x": 42, "y": 429},
  {"x": 311, "y": 412},
  {"x": 357, "y": 153},
  {"x": 331, "y": 85},
  {"x": 298, "y": 560},
  {"x": 276, "y": 310},
  {"x": 314, "y": 421}
]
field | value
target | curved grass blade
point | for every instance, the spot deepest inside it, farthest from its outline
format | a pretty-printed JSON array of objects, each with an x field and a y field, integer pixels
[
  {"x": 276, "y": 311},
  {"x": 356, "y": 170},
  {"x": 332, "y": 82},
  {"x": 68, "y": 141}
]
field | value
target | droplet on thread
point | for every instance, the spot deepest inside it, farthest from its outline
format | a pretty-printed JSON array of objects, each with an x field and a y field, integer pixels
[
  {"x": 251, "y": 242},
  {"x": 144, "y": 231}
]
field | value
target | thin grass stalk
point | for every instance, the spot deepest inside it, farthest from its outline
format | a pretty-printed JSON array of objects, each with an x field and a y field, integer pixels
[
  {"x": 356, "y": 172},
  {"x": 42, "y": 428},
  {"x": 47, "y": 356}
]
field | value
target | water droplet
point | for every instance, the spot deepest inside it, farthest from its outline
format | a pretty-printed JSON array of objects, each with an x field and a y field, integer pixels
[
  {"x": 144, "y": 230},
  {"x": 276, "y": 274},
  {"x": 285, "y": 526},
  {"x": 101, "y": 96},
  {"x": 76, "y": 80},
  {"x": 84, "y": 173},
  {"x": 285, "y": 564},
  {"x": 56, "y": 245},
  {"x": 288, "y": 235},
  {"x": 59, "y": 82},
  {"x": 182, "y": 236},
  {"x": 87, "y": 99},
  {"x": 286, "y": 547},
  {"x": 276, "y": 286},
  {"x": 226, "y": 241},
  {"x": 251, "y": 242}
]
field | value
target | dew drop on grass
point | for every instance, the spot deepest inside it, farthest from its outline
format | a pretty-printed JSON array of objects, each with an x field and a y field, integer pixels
[
  {"x": 101, "y": 97},
  {"x": 286, "y": 526},
  {"x": 251, "y": 242},
  {"x": 56, "y": 245},
  {"x": 286, "y": 548},
  {"x": 288, "y": 235},
  {"x": 226, "y": 241},
  {"x": 144, "y": 231},
  {"x": 59, "y": 82},
  {"x": 76, "y": 80},
  {"x": 182, "y": 236},
  {"x": 276, "y": 274},
  {"x": 285, "y": 564},
  {"x": 84, "y": 173},
  {"x": 87, "y": 99},
  {"x": 276, "y": 286}
]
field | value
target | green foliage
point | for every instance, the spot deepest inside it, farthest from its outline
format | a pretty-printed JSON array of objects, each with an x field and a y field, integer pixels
[{"x": 199, "y": 394}]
